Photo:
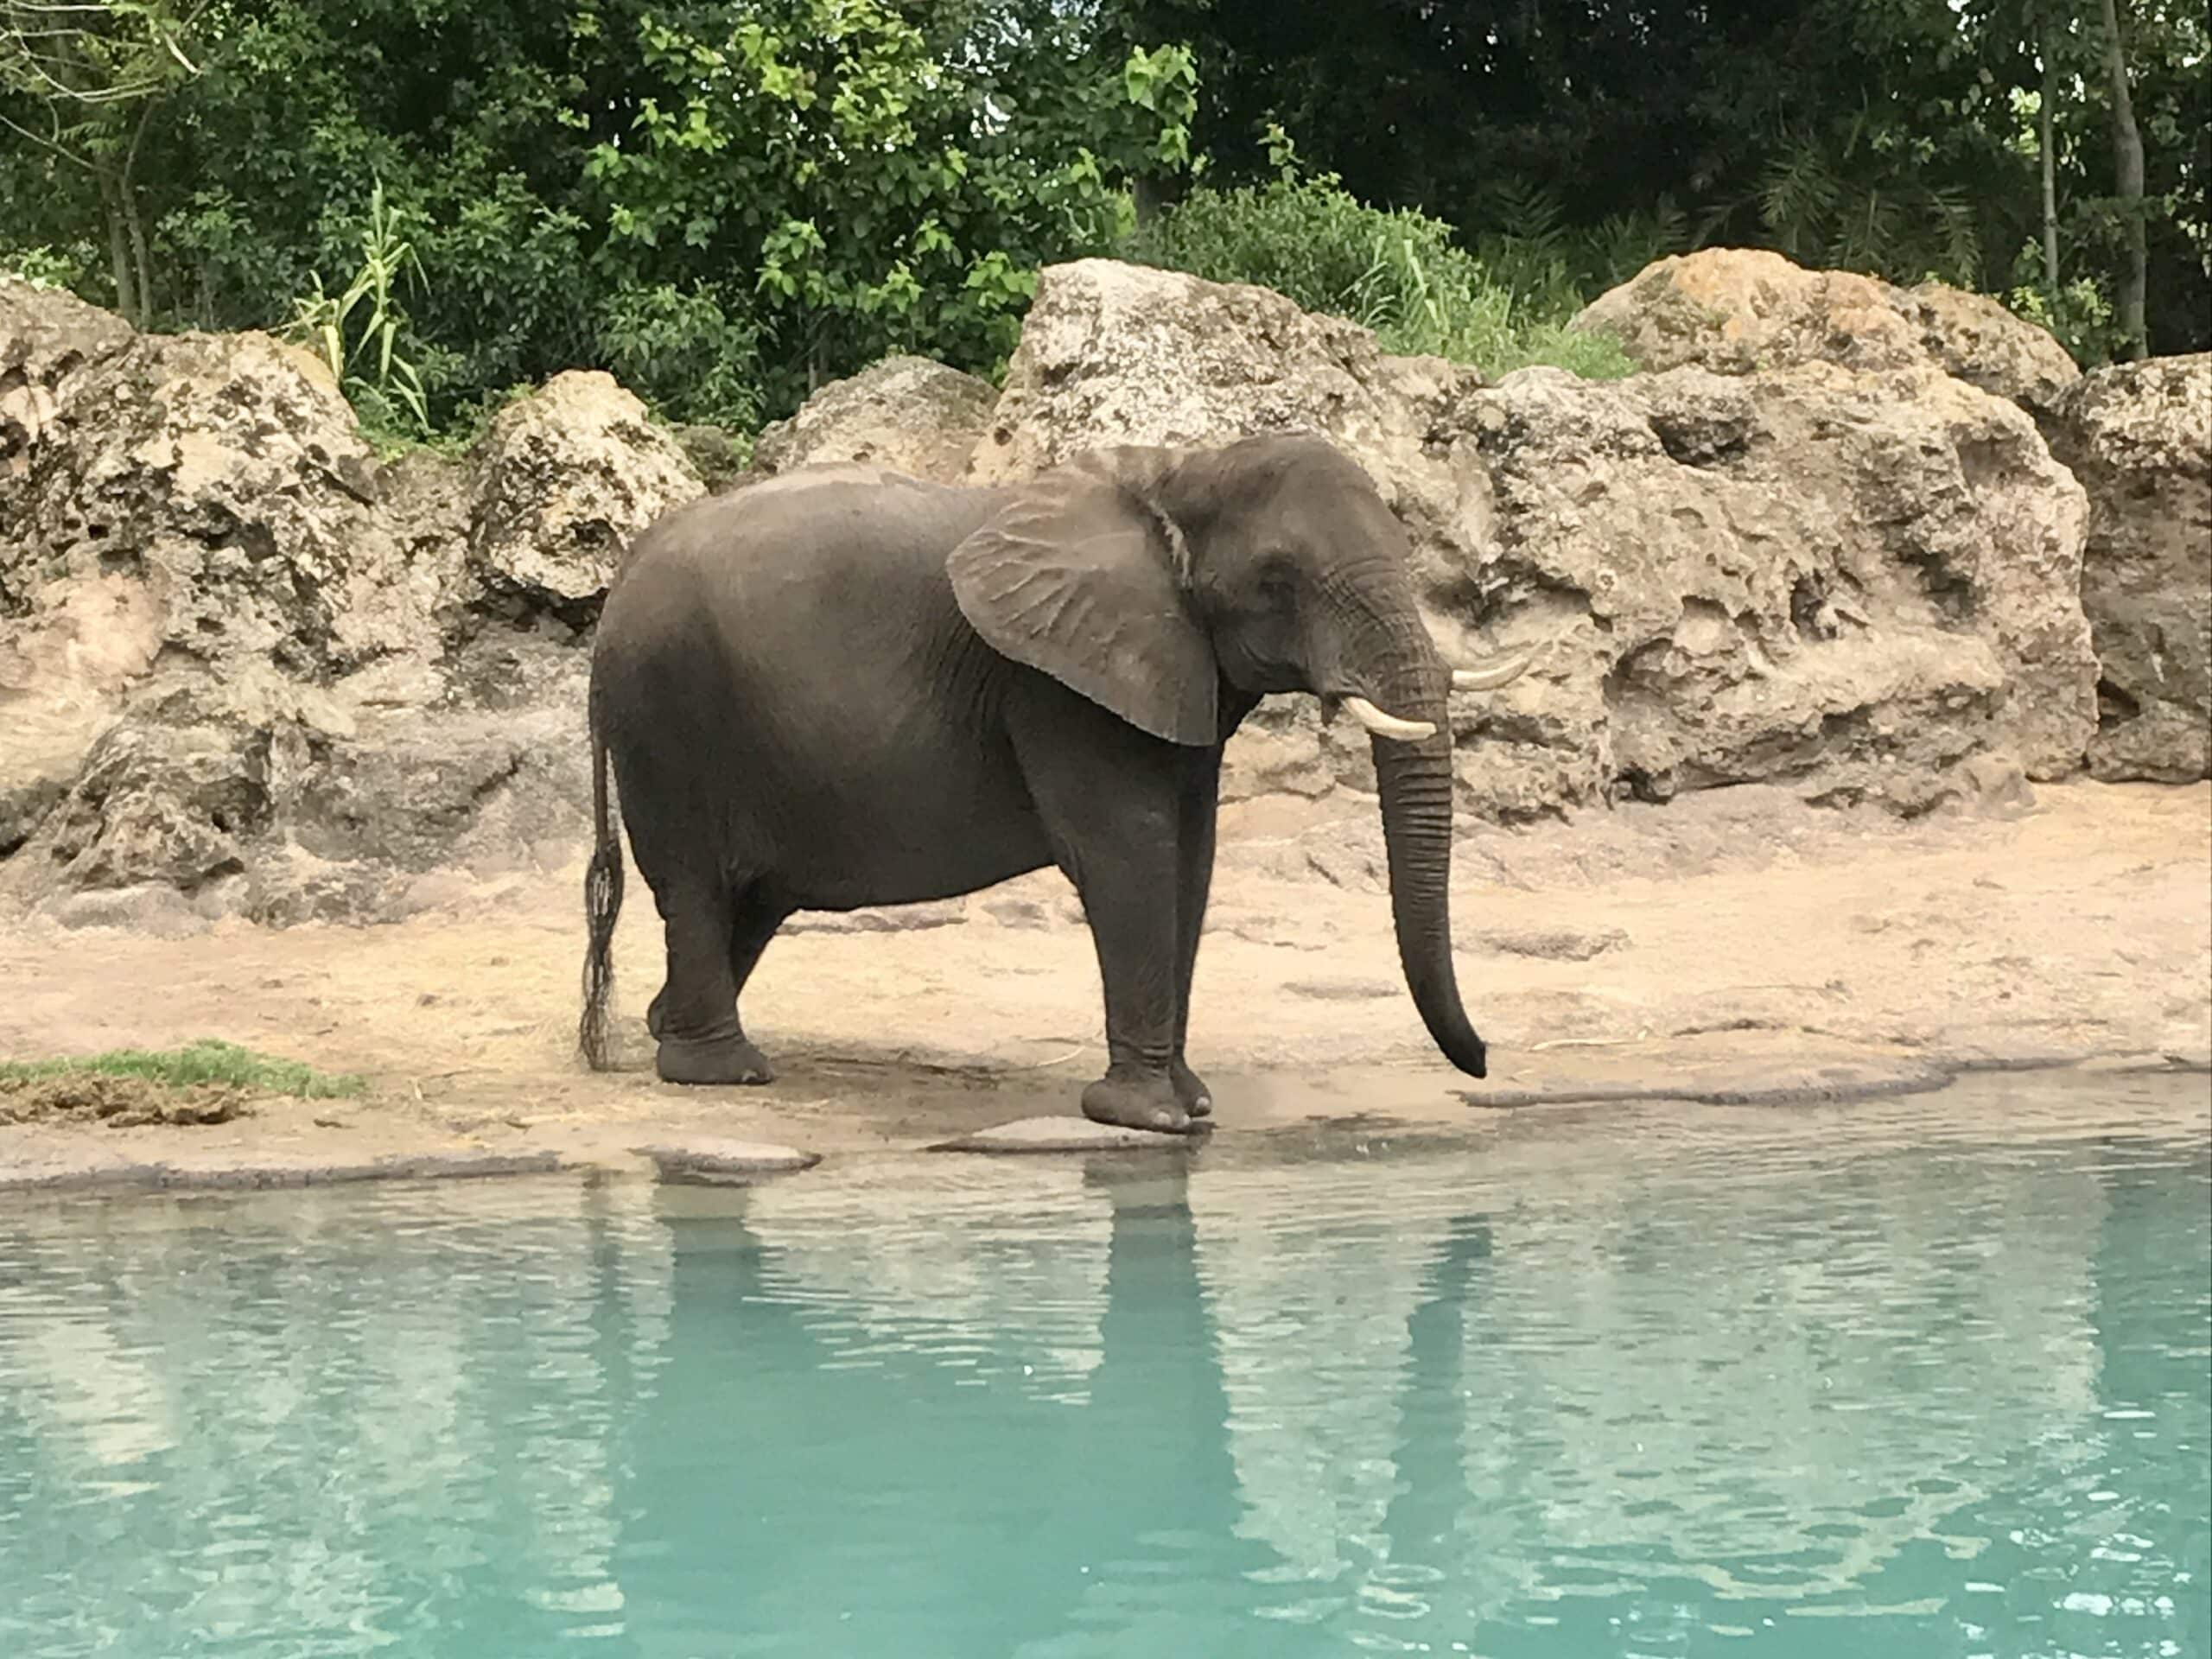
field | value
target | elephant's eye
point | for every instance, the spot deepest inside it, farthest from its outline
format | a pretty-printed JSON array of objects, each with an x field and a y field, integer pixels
[{"x": 1278, "y": 578}]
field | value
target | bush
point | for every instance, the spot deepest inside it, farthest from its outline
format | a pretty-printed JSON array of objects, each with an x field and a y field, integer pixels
[
  {"x": 693, "y": 359},
  {"x": 1400, "y": 273},
  {"x": 2079, "y": 315},
  {"x": 44, "y": 267}
]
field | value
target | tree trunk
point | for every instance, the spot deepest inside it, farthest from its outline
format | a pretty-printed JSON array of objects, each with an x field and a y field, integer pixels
[
  {"x": 1147, "y": 196},
  {"x": 2127, "y": 157},
  {"x": 127, "y": 189},
  {"x": 2046, "y": 138},
  {"x": 143, "y": 265},
  {"x": 119, "y": 252}
]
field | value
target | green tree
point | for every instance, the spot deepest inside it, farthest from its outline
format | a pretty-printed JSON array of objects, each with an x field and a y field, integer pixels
[
  {"x": 871, "y": 181},
  {"x": 80, "y": 83}
]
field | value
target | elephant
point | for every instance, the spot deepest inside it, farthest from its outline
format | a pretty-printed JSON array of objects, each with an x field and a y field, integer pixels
[{"x": 842, "y": 687}]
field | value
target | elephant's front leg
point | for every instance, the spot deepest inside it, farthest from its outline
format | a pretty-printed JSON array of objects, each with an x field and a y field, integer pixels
[
  {"x": 1130, "y": 890},
  {"x": 1200, "y": 806},
  {"x": 1111, "y": 799}
]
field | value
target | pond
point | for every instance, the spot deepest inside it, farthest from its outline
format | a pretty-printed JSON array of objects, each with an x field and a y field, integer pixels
[{"x": 1922, "y": 1378}]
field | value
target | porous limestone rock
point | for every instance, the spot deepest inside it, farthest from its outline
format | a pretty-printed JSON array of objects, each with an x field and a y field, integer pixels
[
  {"x": 2139, "y": 435},
  {"x": 1854, "y": 582},
  {"x": 245, "y": 663},
  {"x": 561, "y": 482},
  {"x": 1738, "y": 310},
  {"x": 47, "y": 335},
  {"x": 906, "y": 414},
  {"x": 243, "y": 660}
]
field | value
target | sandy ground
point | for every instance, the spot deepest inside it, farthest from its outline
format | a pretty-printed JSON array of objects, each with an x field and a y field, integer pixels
[{"x": 1734, "y": 946}]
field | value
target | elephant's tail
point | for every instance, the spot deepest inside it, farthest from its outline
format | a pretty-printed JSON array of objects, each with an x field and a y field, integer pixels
[{"x": 602, "y": 905}]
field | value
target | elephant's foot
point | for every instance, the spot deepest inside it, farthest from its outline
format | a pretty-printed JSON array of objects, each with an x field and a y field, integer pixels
[
  {"x": 653, "y": 1015},
  {"x": 1138, "y": 1102},
  {"x": 713, "y": 1060},
  {"x": 1191, "y": 1090}
]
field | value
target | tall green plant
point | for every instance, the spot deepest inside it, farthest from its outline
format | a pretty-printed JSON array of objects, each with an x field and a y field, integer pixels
[{"x": 360, "y": 327}]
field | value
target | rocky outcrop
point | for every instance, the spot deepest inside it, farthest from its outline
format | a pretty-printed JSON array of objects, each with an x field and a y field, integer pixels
[
  {"x": 1855, "y": 583},
  {"x": 1115, "y": 353},
  {"x": 906, "y": 414},
  {"x": 1739, "y": 310},
  {"x": 1862, "y": 583},
  {"x": 2139, "y": 435},
  {"x": 244, "y": 662},
  {"x": 247, "y": 666}
]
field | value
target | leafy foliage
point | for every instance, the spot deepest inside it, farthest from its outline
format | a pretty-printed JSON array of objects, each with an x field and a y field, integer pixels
[
  {"x": 724, "y": 201},
  {"x": 829, "y": 149},
  {"x": 1884, "y": 134},
  {"x": 693, "y": 353}
]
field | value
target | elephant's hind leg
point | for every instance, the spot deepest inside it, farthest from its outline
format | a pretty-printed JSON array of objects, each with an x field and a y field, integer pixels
[{"x": 694, "y": 1017}]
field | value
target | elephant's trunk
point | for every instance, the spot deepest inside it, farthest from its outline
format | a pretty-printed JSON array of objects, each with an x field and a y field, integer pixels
[{"x": 1415, "y": 777}]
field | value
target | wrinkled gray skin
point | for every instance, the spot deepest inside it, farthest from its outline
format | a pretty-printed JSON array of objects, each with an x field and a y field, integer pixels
[{"x": 842, "y": 688}]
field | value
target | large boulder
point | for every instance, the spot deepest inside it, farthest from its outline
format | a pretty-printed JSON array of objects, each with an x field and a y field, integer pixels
[
  {"x": 1976, "y": 339},
  {"x": 227, "y": 476},
  {"x": 2139, "y": 435},
  {"x": 906, "y": 414},
  {"x": 244, "y": 662},
  {"x": 1117, "y": 354},
  {"x": 1738, "y": 310},
  {"x": 560, "y": 483},
  {"x": 201, "y": 502},
  {"x": 1862, "y": 583}
]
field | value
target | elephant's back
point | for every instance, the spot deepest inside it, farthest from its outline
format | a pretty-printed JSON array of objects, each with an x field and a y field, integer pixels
[
  {"x": 794, "y": 648},
  {"x": 840, "y": 558},
  {"x": 818, "y": 526}
]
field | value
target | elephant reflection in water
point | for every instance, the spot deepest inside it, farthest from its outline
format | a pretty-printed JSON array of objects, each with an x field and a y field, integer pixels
[
  {"x": 1277, "y": 1434},
  {"x": 858, "y": 1486}
]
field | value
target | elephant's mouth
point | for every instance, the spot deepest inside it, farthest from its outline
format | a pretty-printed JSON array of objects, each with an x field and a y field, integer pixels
[
  {"x": 1376, "y": 720},
  {"x": 1380, "y": 719}
]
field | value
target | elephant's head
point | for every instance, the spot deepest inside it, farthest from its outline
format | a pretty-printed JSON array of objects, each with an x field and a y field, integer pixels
[{"x": 1148, "y": 580}]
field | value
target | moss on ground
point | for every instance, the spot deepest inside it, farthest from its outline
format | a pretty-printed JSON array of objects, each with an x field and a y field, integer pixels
[{"x": 205, "y": 1082}]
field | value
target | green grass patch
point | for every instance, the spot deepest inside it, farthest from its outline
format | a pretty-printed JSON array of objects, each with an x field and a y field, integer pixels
[{"x": 207, "y": 1061}]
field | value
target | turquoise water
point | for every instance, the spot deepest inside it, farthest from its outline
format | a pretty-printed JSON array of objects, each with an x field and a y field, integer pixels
[{"x": 1924, "y": 1379}]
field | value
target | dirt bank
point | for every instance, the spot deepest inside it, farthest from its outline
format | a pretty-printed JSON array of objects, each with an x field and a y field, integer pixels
[{"x": 1735, "y": 945}]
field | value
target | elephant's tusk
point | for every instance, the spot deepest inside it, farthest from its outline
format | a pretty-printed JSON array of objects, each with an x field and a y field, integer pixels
[
  {"x": 1382, "y": 725},
  {"x": 1501, "y": 670}
]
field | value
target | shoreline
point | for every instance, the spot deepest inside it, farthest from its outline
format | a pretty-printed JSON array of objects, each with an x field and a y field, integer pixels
[
  {"x": 69, "y": 1168},
  {"x": 1736, "y": 948}
]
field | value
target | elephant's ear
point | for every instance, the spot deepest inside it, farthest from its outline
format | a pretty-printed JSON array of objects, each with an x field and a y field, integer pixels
[{"x": 1082, "y": 577}]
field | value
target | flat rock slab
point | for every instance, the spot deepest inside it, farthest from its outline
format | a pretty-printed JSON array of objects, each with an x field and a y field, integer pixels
[
  {"x": 1062, "y": 1135},
  {"x": 718, "y": 1162},
  {"x": 1553, "y": 943},
  {"x": 253, "y": 1174},
  {"x": 1724, "y": 1083},
  {"x": 2196, "y": 1060}
]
